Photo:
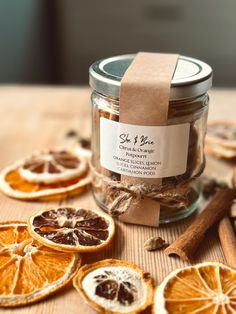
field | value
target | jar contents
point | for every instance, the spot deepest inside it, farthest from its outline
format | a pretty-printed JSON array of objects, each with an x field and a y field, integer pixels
[{"x": 178, "y": 194}]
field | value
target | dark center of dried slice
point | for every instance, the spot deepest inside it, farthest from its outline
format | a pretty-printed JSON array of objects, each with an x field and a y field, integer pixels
[
  {"x": 85, "y": 143},
  {"x": 111, "y": 289},
  {"x": 73, "y": 227},
  {"x": 116, "y": 285},
  {"x": 52, "y": 162},
  {"x": 65, "y": 159},
  {"x": 107, "y": 289},
  {"x": 53, "y": 166}
]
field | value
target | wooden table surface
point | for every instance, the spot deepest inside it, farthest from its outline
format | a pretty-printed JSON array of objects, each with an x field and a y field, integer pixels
[{"x": 37, "y": 117}]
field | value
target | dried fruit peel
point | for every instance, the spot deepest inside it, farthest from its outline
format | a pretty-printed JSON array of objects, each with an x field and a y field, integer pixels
[
  {"x": 114, "y": 286},
  {"x": 13, "y": 185},
  {"x": 53, "y": 166},
  {"x": 29, "y": 270},
  {"x": 219, "y": 151},
  {"x": 72, "y": 230},
  {"x": 206, "y": 288}
]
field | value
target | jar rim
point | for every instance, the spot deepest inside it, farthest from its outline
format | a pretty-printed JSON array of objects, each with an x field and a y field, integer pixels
[{"x": 192, "y": 77}]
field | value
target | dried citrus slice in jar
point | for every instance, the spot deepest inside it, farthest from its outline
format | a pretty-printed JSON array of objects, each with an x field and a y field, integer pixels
[
  {"x": 72, "y": 229},
  {"x": 30, "y": 271},
  {"x": 114, "y": 286},
  {"x": 206, "y": 288},
  {"x": 45, "y": 175}
]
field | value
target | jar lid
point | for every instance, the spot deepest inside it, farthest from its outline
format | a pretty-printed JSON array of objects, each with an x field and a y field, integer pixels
[{"x": 192, "y": 77}]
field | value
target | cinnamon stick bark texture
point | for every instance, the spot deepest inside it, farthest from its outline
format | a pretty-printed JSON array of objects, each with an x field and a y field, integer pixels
[
  {"x": 186, "y": 245},
  {"x": 228, "y": 240}
]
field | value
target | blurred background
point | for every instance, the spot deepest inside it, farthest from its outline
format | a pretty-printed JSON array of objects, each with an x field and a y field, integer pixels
[{"x": 55, "y": 41}]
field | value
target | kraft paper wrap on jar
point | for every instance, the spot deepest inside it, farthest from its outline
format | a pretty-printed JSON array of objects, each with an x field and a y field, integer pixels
[
  {"x": 145, "y": 88},
  {"x": 148, "y": 135}
]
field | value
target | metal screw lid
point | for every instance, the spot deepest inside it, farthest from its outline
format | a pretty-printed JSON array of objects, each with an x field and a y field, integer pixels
[{"x": 192, "y": 77}]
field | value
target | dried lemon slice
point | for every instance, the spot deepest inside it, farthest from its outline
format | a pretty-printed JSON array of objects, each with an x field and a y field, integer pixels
[
  {"x": 70, "y": 229},
  {"x": 14, "y": 185},
  {"x": 114, "y": 286},
  {"x": 206, "y": 288},
  {"x": 50, "y": 166},
  {"x": 30, "y": 271}
]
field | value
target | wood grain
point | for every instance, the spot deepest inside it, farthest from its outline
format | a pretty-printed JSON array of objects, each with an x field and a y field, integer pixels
[
  {"x": 37, "y": 117},
  {"x": 187, "y": 244},
  {"x": 228, "y": 240}
]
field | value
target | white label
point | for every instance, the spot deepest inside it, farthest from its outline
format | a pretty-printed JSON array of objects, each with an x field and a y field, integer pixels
[{"x": 144, "y": 151}]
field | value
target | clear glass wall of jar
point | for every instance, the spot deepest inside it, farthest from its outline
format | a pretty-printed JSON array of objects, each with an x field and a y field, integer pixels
[{"x": 193, "y": 111}]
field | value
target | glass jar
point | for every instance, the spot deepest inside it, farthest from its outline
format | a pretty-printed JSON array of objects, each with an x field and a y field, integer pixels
[{"x": 188, "y": 104}]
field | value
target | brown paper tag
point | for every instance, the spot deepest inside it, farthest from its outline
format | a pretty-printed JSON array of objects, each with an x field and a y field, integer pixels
[{"x": 144, "y": 100}]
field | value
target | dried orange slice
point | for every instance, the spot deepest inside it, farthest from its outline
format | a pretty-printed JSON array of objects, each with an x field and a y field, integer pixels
[
  {"x": 206, "y": 288},
  {"x": 220, "y": 151},
  {"x": 50, "y": 166},
  {"x": 13, "y": 184},
  {"x": 30, "y": 271},
  {"x": 70, "y": 229},
  {"x": 222, "y": 133},
  {"x": 114, "y": 286}
]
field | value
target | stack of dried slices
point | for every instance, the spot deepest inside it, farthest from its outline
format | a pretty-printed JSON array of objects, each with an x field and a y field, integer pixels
[
  {"x": 112, "y": 286},
  {"x": 46, "y": 175},
  {"x": 221, "y": 139},
  {"x": 41, "y": 256}
]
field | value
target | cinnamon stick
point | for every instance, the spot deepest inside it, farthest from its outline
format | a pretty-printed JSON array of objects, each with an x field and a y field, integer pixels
[
  {"x": 185, "y": 246},
  {"x": 228, "y": 240}
]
